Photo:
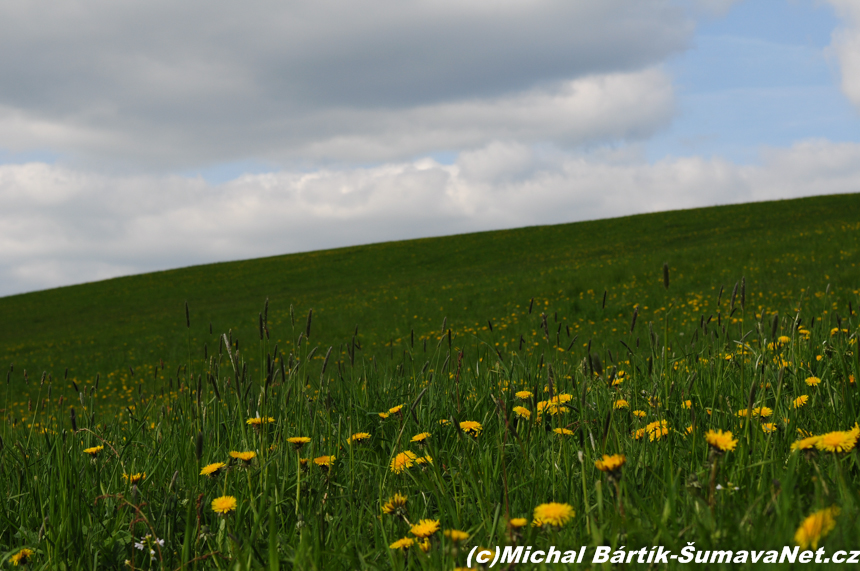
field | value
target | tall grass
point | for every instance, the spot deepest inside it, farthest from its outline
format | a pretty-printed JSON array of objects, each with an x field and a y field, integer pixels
[{"x": 696, "y": 372}]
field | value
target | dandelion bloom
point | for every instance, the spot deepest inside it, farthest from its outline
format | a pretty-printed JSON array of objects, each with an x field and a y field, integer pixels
[
  {"x": 638, "y": 433},
  {"x": 553, "y": 513},
  {"x": 358, "y": 437},
  {"x": 471, "y": 427},
  {"x": 839, "y": 441},
  {"x": 523, "y": 412},
  {"x": 22, "y": 557},
  {"x": 243, "y": 456},
  {"x": 563, "y": 431},
  {"x": 224, "y": 504},
  {"x": 395, "y": 409},
  {"x": 298, "y": 441},
  {"x": 94, "y": 450},
  {"x": 768, "y": 427},
  {"x": 444, "y": 422},
  {"x": 720, "y": 440},
  {"x": 134, "y": 478},
  {"x": 424, "y": 460},
  {"x": 402, "y": 461},
  {"x": 687, "y": 404},
  {"x": 639, "y": 413},
  {"x": 257, "y": 422},
  {"x": 425, "y": 545},
  {"x": 807, "y": 443},
  {"x": 815, "y": 527},
  {"x": 456, "y": 535},
  {"x": 425, "y": 528},
  {"x": 689, "y": 429},
  {"x": 657, "y": 430},
  {"x": 784, "y": 339},
  {"x": 384, "y": 415},
  {"x": 762, "y": 411},
  {"x": 523, "y": 395},
  {"x": 800, "y": 401},
  {"x": 610, "y": 463},
  {"x": 621, "y": 403},
  {"x": 518, "y": 522},
  {"x": 395, "y": 503},
  {"x": 402, "y": 544},
  {"x": 325, "y": 462},
  {"x": 421, "y": 438},
  {"x": 213, "y": 469},
  {"x": 813, "y": 381}
]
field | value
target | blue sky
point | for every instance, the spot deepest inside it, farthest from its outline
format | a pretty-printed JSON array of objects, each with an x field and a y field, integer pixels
[
  {"x": 147, "y": 135},
  {"x": 759, "y": 75}
]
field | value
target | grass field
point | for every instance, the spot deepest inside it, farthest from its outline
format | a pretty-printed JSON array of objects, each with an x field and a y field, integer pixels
[{"x": 753, "y": 301}]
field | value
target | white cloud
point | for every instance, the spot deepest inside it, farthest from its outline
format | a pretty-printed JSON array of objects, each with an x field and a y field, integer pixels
[
  {"x": 846, "y": 45},
  {"x": 164, "y": 85},
  {"x": 61, "y": 226}
]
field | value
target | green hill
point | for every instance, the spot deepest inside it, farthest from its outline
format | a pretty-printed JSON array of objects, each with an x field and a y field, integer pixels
[{"x": 399, "y": 293}]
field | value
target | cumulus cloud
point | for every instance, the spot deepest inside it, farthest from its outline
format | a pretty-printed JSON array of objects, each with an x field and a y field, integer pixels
[
  {"x": 61, "y": 225},
  {"x": 164, "y": 85},
  {"x": 846, "y": 45}
]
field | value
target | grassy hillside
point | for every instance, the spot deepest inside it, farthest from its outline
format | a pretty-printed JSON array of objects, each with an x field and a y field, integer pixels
[
  {"x": 544, "y": 386},
  {"x": 390, "y": 290}
]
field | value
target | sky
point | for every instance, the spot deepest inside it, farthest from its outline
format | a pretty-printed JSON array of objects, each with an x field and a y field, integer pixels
[{"x": 141, "y": 136}]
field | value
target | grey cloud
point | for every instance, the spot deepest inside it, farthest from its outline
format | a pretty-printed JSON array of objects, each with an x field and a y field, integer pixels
[
  {"x": 65, "y": 226},
  {"x": 174, "y": 85}
]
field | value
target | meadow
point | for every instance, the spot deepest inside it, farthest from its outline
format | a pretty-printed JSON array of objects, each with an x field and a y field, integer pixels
[{"x": 393, "y": 406}]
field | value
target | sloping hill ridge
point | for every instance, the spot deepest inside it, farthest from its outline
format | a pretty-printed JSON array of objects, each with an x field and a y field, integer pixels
[{"x": 397, "y": 289}]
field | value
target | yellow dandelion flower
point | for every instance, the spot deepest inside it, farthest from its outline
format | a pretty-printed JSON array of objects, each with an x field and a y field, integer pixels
[
  {"x": 94, "y": 451},
  {"x": 768, "y": 427},
  {"x": 720, "y": 440},
  {"x": 800, "y": 401},
  {"x": 839, "y": 441},
  {"x": 471, "y": 427},
  {"x": 213, "y": 469},
  {"x": 325, "y": 462},
  {"x": 639, "y": 413},
  {"x": 134, "y": 478},
  {"x": 687, "y": 404},
  {"x": 402, "y": 544},
  {"x": 638, "y": 433},
  {"x": 258, "y": 422},
  {"x": 243, "y": 456},
  {"x": 425, "y": 545},
  {"x": 421, "y": 438},
  {"x": 424, "y": 460},
  {"x": 657, "y": 430},
  {"x": 358, "y": 437},
  {"x": 563, "y": 431},
  {"x": 395, "y": 409},
  {"x": 402, "y": 461},
  {"x": 762, "y": 411},
  {"x": 523, "y": 395},
  {"x": 444, "y": 422},
  {"x": 610, "y": 463},
  {"x": 815, "y": 527},
  {"x": 298, "y": 441},
  {"x": 784, "y": 339},
  {"x": 518, "y": 522},
  {"x": 22, "y": 557},
  {"x": 689, "y": 429},
  {"x": 396, "y": 503},
  {"x": 425, "y": 528},
  {"x": 620, "y": 403},
  {"x": 224, "y": 504},
  {"x": 384, "y": 415},
  {"x": 813, "y": 381},
  {"x": 523, "y": 412},
  {"x": 807, "y": 443},
  {"x": 456, "y": 535},
  {"x": 553, "y": 513}
]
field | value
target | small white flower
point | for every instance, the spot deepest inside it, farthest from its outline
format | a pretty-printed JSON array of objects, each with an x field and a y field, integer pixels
[{"x": 138, "y": 546}]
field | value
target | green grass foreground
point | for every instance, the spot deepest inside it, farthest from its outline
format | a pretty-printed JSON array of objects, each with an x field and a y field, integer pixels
[{"x": 759, "y": 312}]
